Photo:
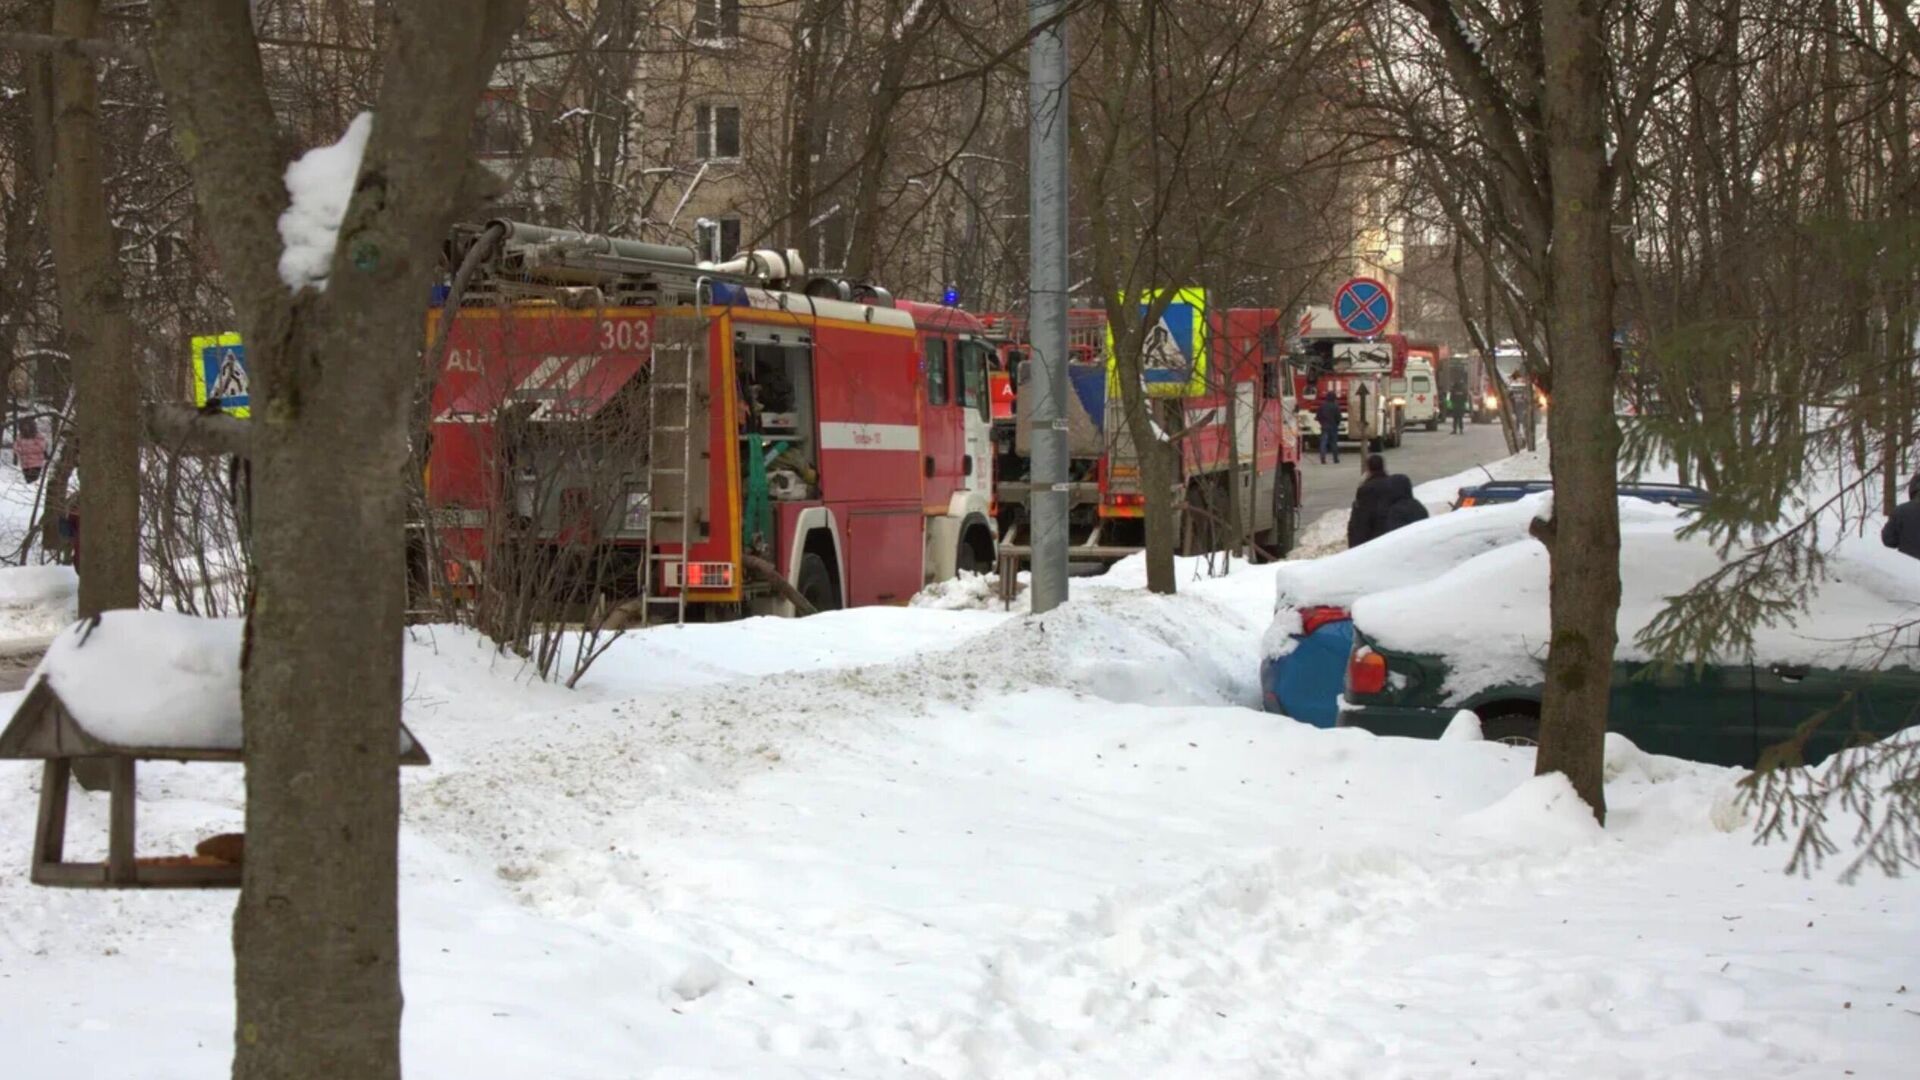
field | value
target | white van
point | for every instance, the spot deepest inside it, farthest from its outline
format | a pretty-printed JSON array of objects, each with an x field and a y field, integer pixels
[{"x": 1418, "y": 394}]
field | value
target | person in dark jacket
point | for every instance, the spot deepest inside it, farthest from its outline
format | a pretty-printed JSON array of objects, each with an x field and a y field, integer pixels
[
  {"x": 1404, "y": 510},
  {"x": 1328, "y": 414},
  {"x": 1902, "y": 530},
  {"x": 1369, "y": 517}
]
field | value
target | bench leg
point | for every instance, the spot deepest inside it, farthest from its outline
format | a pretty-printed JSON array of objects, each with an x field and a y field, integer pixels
[
  {"x": 50, "y": 832},
  {"x": 120, "y": 823}
]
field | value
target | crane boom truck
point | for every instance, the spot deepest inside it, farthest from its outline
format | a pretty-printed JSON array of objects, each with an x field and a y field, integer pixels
[{"x": 1331, "y": 362}]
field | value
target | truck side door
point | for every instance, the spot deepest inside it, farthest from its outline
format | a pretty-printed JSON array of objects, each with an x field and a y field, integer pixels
[
  {"x": 974, "y": 359},
  {"x": 941, "y": 423}
]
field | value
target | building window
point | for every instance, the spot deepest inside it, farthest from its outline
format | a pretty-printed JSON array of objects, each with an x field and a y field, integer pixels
[
  {"x": 496, "y": 126},
  {"x": 716, "y": 22},
  {"x": 716, "y": 132},
  {"x": 718, "y": 240}
]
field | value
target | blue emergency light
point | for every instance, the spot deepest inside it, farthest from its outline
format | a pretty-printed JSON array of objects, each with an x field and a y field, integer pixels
[{"x": 951, "y": 297}]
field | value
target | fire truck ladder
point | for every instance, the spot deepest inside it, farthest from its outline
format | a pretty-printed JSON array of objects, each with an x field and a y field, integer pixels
[{"x": 670, "y": 405}]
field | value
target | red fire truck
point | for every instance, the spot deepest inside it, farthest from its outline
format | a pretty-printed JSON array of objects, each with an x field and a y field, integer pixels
[
  {"x": 1244, "y": 413},
  {"x": 723, "y": 438}
]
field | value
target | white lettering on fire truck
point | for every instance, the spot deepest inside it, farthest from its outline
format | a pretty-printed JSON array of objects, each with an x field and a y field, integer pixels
[
  {"x": 848, "y": 436},
  {"x": 625, "y": 335}
]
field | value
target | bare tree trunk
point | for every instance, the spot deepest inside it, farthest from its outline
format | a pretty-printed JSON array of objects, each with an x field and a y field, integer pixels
[
  {"x": 1153, "y": 455},
  {"x": 97, "y": 324},
  {"x": 809, "y": 50},
  {"x": 1583, "y": 538},
  {"x": 316, "y": 935},
  {"x": 876, "y": 147}
]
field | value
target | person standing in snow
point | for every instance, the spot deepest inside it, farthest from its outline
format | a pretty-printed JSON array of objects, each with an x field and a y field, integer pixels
[
  {"x": 1328, "y": 415},
  {"x": 30, "y": 451},
  {"x": 1404, "y": 510},
  {"x": 1902, "y": 530},
  {"x": 1369, "y": 516},
  {"x": 1457, "y": 407}
]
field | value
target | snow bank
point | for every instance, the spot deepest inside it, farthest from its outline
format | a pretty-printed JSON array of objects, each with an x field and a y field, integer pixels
[
  {"x": 1626, "y": 760},
  {"x": 33, "y": 586},
  {"x": 920, "y": 843},
  {"x": 1541, "y": 812},
  {"x": 320, "y": 185},
  {"x": 36, "y": 601},
  {"x": 1323, "y": 535},
  {"x": 1464, "y": 727},
  {"x": 971, "y": 592},
  {"x": 1489, "y": 615}
]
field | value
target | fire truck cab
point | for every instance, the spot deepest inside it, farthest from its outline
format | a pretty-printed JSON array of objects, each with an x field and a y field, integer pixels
[
  {"x": 956, "y": 431},
  {"x": 702, "y": 440}
]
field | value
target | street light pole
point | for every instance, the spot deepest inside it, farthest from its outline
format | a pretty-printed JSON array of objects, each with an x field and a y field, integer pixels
[{"x": 1047, "y": 300}]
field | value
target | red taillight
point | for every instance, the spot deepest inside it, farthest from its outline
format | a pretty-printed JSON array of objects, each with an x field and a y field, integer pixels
[
  {"x": 1127, "y": 499},
  {"x": 1314, "y": 618},
  {"x": 1466, "y": 501},
  {"x": 701, "y": 575},
  {"x": 1366, "y": 671}
]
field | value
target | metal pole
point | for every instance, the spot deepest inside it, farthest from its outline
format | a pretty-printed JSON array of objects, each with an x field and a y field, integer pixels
[{"x": 1047, "y": 300}]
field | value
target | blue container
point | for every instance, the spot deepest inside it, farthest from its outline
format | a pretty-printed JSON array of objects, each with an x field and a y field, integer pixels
[{"x": 1306, "y": 683}]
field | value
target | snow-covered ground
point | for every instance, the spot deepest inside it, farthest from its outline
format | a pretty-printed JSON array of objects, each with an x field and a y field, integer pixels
[{"x": 960, "y": 843}]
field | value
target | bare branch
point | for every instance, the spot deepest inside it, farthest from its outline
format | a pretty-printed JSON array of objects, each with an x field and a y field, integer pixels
[
  {"x": 187, "y": 430},
  {"x": 71, "y": 47}
]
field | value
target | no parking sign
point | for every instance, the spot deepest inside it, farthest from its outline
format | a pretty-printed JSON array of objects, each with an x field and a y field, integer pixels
[{"x": 1363, "y": 307}]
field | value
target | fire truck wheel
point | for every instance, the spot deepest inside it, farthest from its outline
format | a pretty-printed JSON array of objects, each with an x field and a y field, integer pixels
[{"x": 816, "y": 583}]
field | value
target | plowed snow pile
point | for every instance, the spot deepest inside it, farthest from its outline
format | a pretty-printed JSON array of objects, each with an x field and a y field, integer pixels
[{"x": 957, "y": 843}]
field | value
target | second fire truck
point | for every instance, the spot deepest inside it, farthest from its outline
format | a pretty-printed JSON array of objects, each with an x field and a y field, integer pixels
[{"x": 1237, "y": 438}]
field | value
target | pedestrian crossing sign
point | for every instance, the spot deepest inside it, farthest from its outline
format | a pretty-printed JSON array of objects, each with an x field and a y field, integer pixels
[
  {"x": 1173, "y": 356},
  {"x": 220, "y": 374}
]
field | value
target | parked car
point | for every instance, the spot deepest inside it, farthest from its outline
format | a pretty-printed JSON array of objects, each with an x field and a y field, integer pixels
[
  {"x": 1506, "y": 491},
  {"x": 1304, "y": 656},
  {"x": 1423, "y": 652}
]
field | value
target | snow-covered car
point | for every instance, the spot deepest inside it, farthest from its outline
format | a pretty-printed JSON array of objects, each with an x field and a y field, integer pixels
[
  {"x": 1304, "y": 654},
  {"x": 1506, "y": 491},
  {"x": 1423, "y": 652}
]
